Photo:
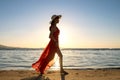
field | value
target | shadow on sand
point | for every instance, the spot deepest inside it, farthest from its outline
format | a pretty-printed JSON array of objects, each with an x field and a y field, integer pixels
[
  {"x": 63, "y": 76},
  {"x": 39, "y": 77}
]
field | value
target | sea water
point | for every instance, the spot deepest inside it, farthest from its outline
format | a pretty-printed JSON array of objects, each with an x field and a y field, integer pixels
[{"x": 72, "y": 59}]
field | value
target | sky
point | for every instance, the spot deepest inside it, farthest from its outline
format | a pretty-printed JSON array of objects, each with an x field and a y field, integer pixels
[{"x": 84, "y": 23}]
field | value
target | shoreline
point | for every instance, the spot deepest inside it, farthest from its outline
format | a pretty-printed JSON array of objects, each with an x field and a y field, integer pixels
[
  {"x": 89, "y": 74},
  {"x": 68, "y": 68}
]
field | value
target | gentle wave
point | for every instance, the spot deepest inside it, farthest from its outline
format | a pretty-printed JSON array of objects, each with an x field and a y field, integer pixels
[{"x": 72, "y": 59}]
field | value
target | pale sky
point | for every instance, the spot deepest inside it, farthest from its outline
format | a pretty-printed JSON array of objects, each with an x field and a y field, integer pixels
[{"x": 84, "y": 23}]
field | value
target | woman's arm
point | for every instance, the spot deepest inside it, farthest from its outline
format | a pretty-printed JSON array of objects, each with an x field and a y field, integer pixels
[
  {"x": 52, "y": 30},
  {"x": 51, "y": 36}
]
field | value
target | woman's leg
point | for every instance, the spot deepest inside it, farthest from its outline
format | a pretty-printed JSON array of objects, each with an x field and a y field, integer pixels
[
  {"x": 60, "y": 59},
  {"x": 61, "y": 62}
]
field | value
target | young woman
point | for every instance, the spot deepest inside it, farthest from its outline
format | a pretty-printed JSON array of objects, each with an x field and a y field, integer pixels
[{"x": 46, "y": 60}]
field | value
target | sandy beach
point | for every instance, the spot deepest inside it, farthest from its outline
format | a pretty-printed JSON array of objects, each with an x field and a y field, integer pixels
[{"x": 99, "y": 74}]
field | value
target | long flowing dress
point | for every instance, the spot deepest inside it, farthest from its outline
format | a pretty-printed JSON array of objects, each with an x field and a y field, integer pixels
[{"x": 46, "y": 60}]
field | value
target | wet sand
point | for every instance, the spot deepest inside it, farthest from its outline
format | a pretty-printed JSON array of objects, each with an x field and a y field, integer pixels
[{"x": 99, "y": 74}]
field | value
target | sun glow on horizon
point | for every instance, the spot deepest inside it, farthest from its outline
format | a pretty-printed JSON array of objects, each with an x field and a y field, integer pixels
[
  {"x": 84, "y": 24},
  {"x": 66, "y": 33}
]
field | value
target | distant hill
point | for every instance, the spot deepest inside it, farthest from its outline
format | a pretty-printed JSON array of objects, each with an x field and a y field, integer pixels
[{"x": 3, "y": 47}]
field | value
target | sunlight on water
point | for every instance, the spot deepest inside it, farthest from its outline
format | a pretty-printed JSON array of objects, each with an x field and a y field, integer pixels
[{"x": 56, "y": 65}]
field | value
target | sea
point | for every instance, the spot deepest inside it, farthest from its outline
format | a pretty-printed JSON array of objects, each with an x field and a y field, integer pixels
[{"x": 72, "y": 59}]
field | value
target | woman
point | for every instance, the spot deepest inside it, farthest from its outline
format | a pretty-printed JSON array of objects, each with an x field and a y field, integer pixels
[{"x": 47, "y": 58}]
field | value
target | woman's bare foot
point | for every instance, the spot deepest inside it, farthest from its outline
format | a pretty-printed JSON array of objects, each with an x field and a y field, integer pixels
[{"x": 64, "y": 72}]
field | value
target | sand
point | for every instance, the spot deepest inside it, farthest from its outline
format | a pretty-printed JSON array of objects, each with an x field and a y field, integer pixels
[{"x": 99, "y": 74}]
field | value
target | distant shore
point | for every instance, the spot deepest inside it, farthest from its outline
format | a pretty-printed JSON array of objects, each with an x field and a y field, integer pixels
[
  {"x": 3, "y": 47},
  {"x": 99, "y": 74},
  {"x": 61, "y": 48}
]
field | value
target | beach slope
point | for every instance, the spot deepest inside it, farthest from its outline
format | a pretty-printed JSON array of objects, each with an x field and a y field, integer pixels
[{"x": 100, "y": 74}]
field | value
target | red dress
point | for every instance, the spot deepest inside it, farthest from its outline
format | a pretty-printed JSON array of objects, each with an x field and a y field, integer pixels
[{"x": 46, "y": 60}]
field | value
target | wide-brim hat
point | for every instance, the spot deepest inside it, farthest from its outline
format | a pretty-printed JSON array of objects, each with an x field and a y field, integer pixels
[{"x": 55, "y": 16}]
